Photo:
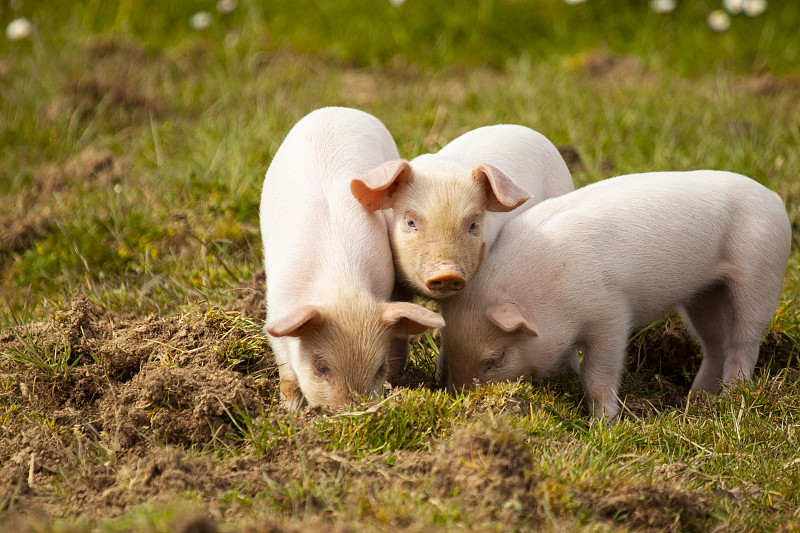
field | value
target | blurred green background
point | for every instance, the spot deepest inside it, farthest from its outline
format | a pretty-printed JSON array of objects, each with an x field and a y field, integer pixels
[{"x": 193, "y": 98}]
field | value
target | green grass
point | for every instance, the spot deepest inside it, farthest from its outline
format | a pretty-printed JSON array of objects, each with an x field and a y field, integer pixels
[{"x": 193, "y": 120}]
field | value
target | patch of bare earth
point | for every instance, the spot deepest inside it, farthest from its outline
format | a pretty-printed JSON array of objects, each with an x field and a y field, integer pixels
[
  {"x": 250, "y": 297},
  {"x": 97, "y": 429},
  {"x": 666, "y": 359},
  {"x": 651, "y": 507},
  {"x": 488, "y": 465}
]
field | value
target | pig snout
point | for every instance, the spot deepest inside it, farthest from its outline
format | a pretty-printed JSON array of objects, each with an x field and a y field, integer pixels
[{"x": 446, "y": 277}]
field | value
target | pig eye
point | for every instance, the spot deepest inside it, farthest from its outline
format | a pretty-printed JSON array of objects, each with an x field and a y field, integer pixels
[
  {"x": 381, "y": 374},
  {"x": 474, "y": 224},
  {"x": 321, "y": 369},
  {"x": 411, "y": 219},
  {"x": 494, "y": 361}
]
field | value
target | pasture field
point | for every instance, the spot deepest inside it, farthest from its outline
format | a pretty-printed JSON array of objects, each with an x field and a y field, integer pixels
[{"x": 137, "y": 391}]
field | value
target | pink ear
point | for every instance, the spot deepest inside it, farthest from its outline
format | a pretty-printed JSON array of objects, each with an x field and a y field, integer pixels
[
  {"x": 299, "y": 322},
  {"x": 510, "y": 316},
  {"x": 374, "y": 189},
  {"x": 410, "y": 319},
  {"x": 502, "y": 193}
]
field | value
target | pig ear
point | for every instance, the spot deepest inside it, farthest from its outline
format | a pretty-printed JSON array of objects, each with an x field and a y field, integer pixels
[
  {"x": 409, "y": 318},
  {"x": 374, "y": 189},
  {"x": 510, "y": 316},
  {"x": 299, "y": 322},
  {"x": 502, "y": 193}
]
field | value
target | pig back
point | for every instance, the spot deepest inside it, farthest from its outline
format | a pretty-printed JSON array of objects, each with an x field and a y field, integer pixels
[
  {"x": 652, "y": 238},
  {"x": 313, "y": 229}
]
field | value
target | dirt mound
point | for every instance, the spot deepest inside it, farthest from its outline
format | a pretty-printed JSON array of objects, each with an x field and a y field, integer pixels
[
  {"x": 663, "y": 360},
  {"x": 180, "y": 405},
  {"x": 669, "y": 351},
  {"x": 488, "y": 463},
  {"x": 250, "y": 299},
  {"x": 116, "y": 386},
  {"x": 652, "y": 508}
]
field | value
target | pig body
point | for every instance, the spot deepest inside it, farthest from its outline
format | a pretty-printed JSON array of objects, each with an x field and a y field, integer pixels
[
  {"x": 585, "y": 268},
  {"x": 446, "y": 209},
  {"x": 328, "y": 263}
]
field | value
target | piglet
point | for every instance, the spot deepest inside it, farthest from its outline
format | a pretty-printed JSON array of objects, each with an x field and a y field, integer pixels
[
  {"x": 328, "y": 263},
  {"x": 446, "y": 209},
  {"x": 584, "y": 268}
]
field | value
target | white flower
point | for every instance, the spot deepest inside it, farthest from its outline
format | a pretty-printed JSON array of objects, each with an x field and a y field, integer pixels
[
  {"x": 718, "y": 20},
  {"x": 733, "y": 6},
  {"x": 231, "y": 39},
  {"x": 19, "y": 29},
  {"x": 754, "y": 8},
  {"x": 662, "y": 6},
  {"x": 200, "y": 21},
  {"x": 573, "y": 2},
  {"x": 226, "y": 6},
  {"x": 397, "y": 3}
]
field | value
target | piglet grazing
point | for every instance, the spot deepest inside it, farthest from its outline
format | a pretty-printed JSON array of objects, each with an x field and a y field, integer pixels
[
  {"x": 438, "y": 223},
  {"x": 329, "y": 265},
  {"x": 583, "y": 269}
]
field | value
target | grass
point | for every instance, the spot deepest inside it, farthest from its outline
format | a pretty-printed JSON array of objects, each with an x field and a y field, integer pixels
[{"x": 133, "y": 153}]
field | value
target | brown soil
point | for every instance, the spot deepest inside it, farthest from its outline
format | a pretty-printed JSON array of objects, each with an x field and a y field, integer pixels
[
  {"x": 652, "y": 508},
  {"x": 250, "y": 298},
  {"x": 134, "y": 385},
  {"x": 146, "y": 398},
  {"x": 671, "y": 353},
  {"x": 488, "y": 464}
]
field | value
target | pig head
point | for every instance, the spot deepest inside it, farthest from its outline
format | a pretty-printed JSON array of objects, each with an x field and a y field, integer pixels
[{"x": 436, "y": 226}]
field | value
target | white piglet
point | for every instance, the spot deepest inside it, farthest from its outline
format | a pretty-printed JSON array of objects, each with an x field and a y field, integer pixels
[
  {"x": 447, "y": 208},
  {"x": 328, "y": 263},
  {"x": 583, "y": 269}
]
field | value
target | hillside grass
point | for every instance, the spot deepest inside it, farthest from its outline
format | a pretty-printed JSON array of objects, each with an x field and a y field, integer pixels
[{"x": 133, "y": 154}]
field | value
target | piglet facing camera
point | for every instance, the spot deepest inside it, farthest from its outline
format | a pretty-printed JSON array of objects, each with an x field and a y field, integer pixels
[
  {"x": 445, "y": 210},
  {"x": 333, "y": 329},
  {"x": 585, "y": 268}
]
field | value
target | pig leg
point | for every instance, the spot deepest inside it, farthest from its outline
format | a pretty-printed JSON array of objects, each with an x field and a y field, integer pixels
[
  {"x": 601, "y": 368},
  {"x": 709, "y": 317},
  {"x": 753, "y": 307},
  {"x": 440, "y": 377},
  {"x": 398, "y": 355},
  {"x": 573, "y": 364}
]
